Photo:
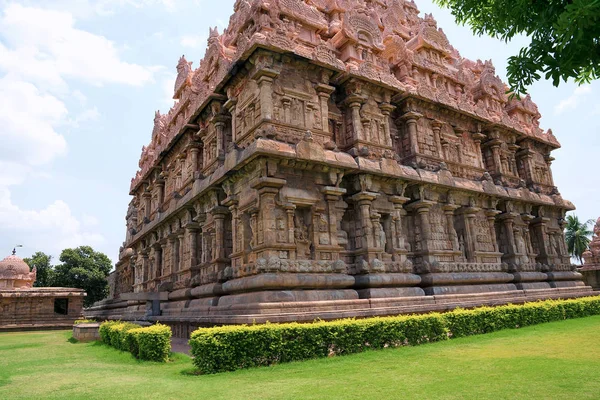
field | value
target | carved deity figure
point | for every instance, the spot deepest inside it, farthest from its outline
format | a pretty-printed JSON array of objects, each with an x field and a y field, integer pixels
[
  {"x": 301, "y": 237},
  {"x": 380, "y": 235}
]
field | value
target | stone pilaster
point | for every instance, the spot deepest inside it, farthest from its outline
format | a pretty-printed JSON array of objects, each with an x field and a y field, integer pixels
[
  {"x": 267, "y": 189},
  {"x": 411, "y": 119},
  {"x": 386, "y": 110},
  {"x": 324, "y": 91},
  {"x": 363, "y": 201},
  {"x": 436, "y": 126},
  {"x": 264, "y": 78},
  {"x": 421, "y": 210},
  {"x": 355, "y": 103},
  {"x": 332, "y": 195}
]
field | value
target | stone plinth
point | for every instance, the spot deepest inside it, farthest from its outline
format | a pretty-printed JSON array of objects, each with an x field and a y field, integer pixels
[{"x": 86, "y": 332}]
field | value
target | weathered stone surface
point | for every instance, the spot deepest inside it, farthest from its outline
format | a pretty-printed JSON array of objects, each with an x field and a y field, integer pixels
[
  {"x": 320, "y": 149},
  {"x": 86, "y": 332}
]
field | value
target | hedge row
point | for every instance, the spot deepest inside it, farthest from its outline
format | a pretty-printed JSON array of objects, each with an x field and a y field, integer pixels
[
  {"x": 228, "y": 348},
  {"x": 152, "y": 343}
]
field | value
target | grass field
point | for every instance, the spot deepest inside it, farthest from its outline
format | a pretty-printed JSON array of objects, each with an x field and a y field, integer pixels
[{"x": 558, "y": 360}]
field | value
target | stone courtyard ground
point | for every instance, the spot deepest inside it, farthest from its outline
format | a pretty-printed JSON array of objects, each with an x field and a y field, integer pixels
[{"x": 552, "y": 361}]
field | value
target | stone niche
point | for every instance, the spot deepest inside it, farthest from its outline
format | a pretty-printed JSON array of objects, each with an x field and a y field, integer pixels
[{"x": 330, "y": 160}]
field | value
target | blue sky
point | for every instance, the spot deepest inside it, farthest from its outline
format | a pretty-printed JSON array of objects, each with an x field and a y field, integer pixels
[{"x": 80, "y": 81}]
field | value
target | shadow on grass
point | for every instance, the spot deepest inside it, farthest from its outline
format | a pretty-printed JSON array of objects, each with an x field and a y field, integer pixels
[
  {"x": 20, "y": 346},
  {"x": 72, "y": 340},
  {"x": 191, "y": 372}
]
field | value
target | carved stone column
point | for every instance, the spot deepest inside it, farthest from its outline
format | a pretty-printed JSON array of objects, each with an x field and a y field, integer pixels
[
  {"x": 158, "y": 261},
  {"x": 491, "y": 217},
  {"x": 332, "y": 195},
  {"x": 145, "y": 266},
  {"x": 452, "y": 235},
  {"x": 399, "y": 234},
  {"x": 355, "y": 103},
  {"x": 386, "y": 110},
  {"x": 507, "y": 220},
  {"x": 437, "y": 127},
  {"x": 191, "y": 230},
  {"x": 230, "y": 106},
  {"x": 469, "y": 214},
  {"x": 525, "y": 157},
  {"x": 267, "y": 189},
  {"x": 421, "y": 208},
  {"x": 264, "y": 78},
  {"x": 218, "y": 214},
  {"x": 477, "y": 139},
  {"x": 363, "y": 200},
  {"x": 324, "y": 91},
  {"x": 194, "y": 153},
  {"x": 181, "y": 241},
  {"x": 538, "y": 228},
  {"x": 220, "y": 133},
  {"x": 411, "y": 119},
  {"x": 548, "y": 159},
  {"x": 494, "y": 145},
  {"x": 147, "y": 196}
]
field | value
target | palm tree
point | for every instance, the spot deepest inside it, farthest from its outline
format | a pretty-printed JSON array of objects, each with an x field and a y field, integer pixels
[{"x": 578, "y": 236}]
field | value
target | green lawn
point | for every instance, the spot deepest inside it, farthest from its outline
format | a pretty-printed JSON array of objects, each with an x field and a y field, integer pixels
[{"x": 559, "y": 360}]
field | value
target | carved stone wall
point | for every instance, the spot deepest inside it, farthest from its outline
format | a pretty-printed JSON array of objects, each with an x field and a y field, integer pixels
[{"x": 328, "y": 151}]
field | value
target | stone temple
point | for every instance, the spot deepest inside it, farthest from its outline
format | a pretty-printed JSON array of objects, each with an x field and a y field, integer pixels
[
  {"x": 333, "y": 158},
  {"x": 591, "y": 268},
  {"x": 24, "y": 307}
]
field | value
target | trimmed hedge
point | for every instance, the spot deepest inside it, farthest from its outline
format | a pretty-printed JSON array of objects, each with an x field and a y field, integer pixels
[
  {"x": 151, "y": 343},
  {"x": 227, "y": 348}
]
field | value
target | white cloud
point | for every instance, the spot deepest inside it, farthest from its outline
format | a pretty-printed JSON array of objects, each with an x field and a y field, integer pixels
[
  {"x": 168, "y": 86},
  {"x": 43, "y": 47},
  {"x": 194, "y": 41},
  {"x": 41, "y": 54},
  {"x": 52, "y": 229},
  {"x": 28, "y": 118},
  {"x": 89, "y": 220},
  {"x": 573, "y": 100},
  {"x": 90, "y": 114},
  {"x": 90, "y": 8}
]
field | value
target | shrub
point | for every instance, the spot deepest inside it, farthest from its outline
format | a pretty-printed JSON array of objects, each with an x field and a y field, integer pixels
[
  {"x": 226, "y": 348},
  {"x": 104, "y": 331},
  {"x": 152, "y": 343}
]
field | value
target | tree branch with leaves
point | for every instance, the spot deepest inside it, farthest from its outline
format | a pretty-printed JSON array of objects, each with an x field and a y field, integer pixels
[{"x": 565, "y": 36}]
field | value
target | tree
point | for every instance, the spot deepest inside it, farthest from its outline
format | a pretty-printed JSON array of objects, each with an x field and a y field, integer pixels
[
  {"x": 578, "y": 236},
  {"x": 565, "y": 36},
  {"x": 84, "y": 268},
  {"x": 45, "y": 273}
]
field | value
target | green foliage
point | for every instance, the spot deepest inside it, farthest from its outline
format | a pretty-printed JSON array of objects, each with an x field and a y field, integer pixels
[
  {"x": 564, "y": 36},
  {"x": 151, "y": 343},
  {"x": 227, "y": 348},
  {"x": 577, "y": 235},
  {"x": 104, "y": 331},
  {"x": 86, "y": 269},
  {"x": 45, "y": 273},
  {"x": 84, "y": 321}
]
